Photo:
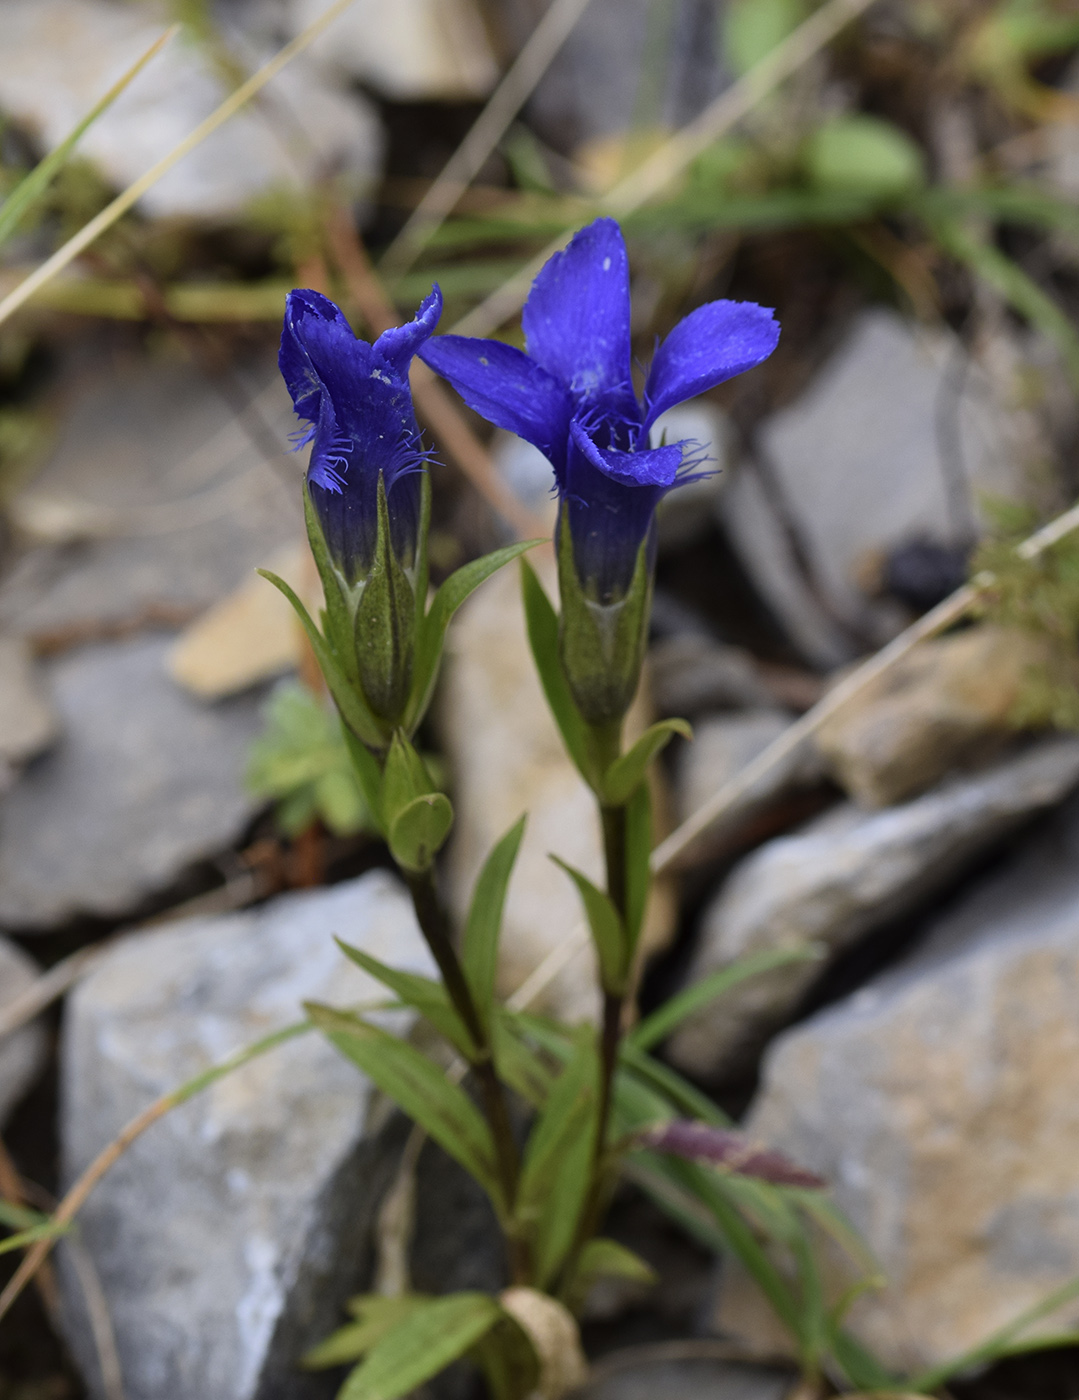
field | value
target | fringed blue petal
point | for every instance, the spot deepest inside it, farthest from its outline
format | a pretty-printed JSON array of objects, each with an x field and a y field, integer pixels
[
  {"x": 576, "y": 320},
  {"x": 398, "y": 345},
  {"x": 508, "y": 389},
  {"x": 712, "y": 344}
]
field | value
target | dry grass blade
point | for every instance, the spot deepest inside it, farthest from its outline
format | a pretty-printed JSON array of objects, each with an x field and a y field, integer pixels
[
  {"x": 434, "y": 406},
  {"x": 672, "y": 158},
  {"x": 47, "y": 988},
  {"x": 672, "y": 851},
  {"x": 490, "y": 126},
  {"x": 134, "y": 192}
]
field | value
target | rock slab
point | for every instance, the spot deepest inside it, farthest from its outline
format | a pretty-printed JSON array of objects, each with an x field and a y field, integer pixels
[
  {"x": 22, "y": 1053},
  {"x": 146, "y": 781},
  {"x": 841, "y": 876},
  {"x": 27, "y": 719},
  {"x": 942, "y": 1103},
  {"x": 226, "y": 1239}
]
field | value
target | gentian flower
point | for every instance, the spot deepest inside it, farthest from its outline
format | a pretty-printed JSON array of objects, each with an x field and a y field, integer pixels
[
  {"x": 356, "y": 399},
  {"x": 365, "y": 487},
  {"x": 572, "y": 396}
]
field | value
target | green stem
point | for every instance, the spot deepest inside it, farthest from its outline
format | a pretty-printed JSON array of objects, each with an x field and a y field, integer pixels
[{"x": 435, "y": 927}]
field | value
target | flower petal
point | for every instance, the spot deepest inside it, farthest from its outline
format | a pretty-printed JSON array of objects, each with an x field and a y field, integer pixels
[
  {"x": 398, "y": 345},
  {"x": 311, "y": 322},
  {"x": 576, "y": 320},
  {"x": 657, "y": 466},
  {"x": 712, "y": 344},
  {"x": 508, "y": 389}
]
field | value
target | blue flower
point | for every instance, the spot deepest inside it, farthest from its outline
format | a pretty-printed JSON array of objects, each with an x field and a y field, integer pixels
[
  {"x": 572, "y": 395},
  {"x": 356, "y": 399}
]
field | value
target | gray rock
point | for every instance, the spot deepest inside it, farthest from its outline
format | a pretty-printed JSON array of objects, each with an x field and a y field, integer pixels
[
  {"x": 22, "y": 1053},
  {"x": 693, "y": 1378},
  {"x": 692, "y": 673},
  {"x": 596, "y": 85},
  {"x": 155, "y": 503},
  {"x": 844, "y": 874},
  {"x": 685, "y": 515},
  {"x": 60, "y": 56},
  {"x": 146, "y": 781},
  {"x": 942, "y": 1103},
  {"x": 27, "y": 720},
  {"x": 412, "y": 50},
  {"x": 227, "y": 1237},
  {"x": 862, "y": 466}
]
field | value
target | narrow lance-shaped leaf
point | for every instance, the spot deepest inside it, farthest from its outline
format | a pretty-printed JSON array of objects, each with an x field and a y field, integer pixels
[
  {"x": 608, "y": 933},
  {"x": 555, "y": 1171},
  {"x": 337, "y": 616},
  {"x": 353, "y": 708},
  {"x": 672, "y": 1013},
  {"x": 444, "y": 1111},
  {"x": 432, "y": 631},
  {"x": 427, "y": 996},
  {"x": 627, "y": 773},
  {"x": 479, "y": 948},
  {"x": 368, "y": 773},
  {"x": 377, "y": 1315},
  {"x": 730, "y": 1149},
  {"x": 421, "y": 1345},
  {"x": 542, "y": 622}
]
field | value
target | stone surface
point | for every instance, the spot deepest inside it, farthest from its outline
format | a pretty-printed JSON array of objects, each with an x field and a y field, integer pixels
[
  {"x": 624, "y": 67},
  {"x": 146, "y": 781},
  {"x": 60, "y": 56},
  {"x": 22, "y": 1053},
  {"x": 842, "y": 875},
  {"x": 27, "y": 720},
  {"x": 942, "y": 1102},
  {"x": 227, "y": 1237},
  {"x": 863, "y": 465},
  {"x": 155, "y": 503},
  {"x": 412, "y": 50},
  {"x": 692, "y": 673},
  {"x": 694, "y": 1378},
  {"x": 507, "y": 758},
  {"x": 252, "y": 635},
  {"x": 941, "y": 707}
]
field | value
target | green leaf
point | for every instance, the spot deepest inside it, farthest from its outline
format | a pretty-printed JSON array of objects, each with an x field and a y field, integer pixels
[
  {"x": 385, "y": 625},
  {"x": 376, "y": 1315},
  {"x": 603, "y": 1258},
  {"x": 32, "y": 187},
  {"x": 626, "y": 774},
  {"x": 640, "y": 1069},
  {"x": 508, "y": 1360},
  {"x": 301, "y": 760},
  {"x": 608, "y": 934},
  {"x": 404, "y": 777},
  {"x": 638, "y": 869},
  {"x": 338, "y": 614},
  {"x": 420, "y": 1088},
  {"x": 517, "y": 1063},
  {"x": 353, "y": 707},
  {"x": 368, "y": 774},
  {"x": 432, "y": 632},
  {"x": 427, "y": 996},
  {"x": 859, "y": 154},
  {"x": 421, "y": 1345},
  {"x": 542, "y": 622},
  {"x": 753, "y": 28},
  {"x": 479, "y": 947},
  {"x": 418, "y": 833},
  {"x": 663, "y": 1021},
  {"x": 555, "y": 1173},
  {"x": 48, "y": 1231}
]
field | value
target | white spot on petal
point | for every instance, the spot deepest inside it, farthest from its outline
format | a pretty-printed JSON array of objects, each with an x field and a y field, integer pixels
[{"x": 606, "y": 264}]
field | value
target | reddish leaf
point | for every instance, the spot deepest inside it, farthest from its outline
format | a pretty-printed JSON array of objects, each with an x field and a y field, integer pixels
[{"x": 700, "y": 1142}]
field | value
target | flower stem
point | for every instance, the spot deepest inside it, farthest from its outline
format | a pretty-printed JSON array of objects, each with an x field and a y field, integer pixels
[{"x": 434, "y": 925}]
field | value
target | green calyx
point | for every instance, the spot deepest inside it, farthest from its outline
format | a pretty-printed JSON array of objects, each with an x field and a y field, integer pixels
[
  {"x": 602, "y": 645},
  {"x": 385, "y": 625}
]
